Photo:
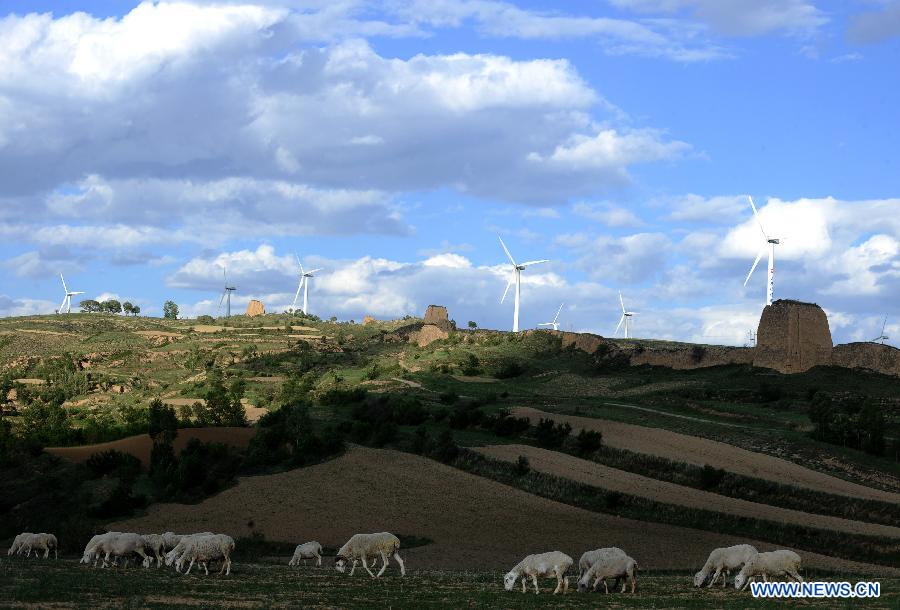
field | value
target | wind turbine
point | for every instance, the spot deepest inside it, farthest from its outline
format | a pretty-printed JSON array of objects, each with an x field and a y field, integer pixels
[
  {"x": 882, "y": 337},
  {"x": 226, "y": 295},
  {"x": 770, "y": 243},
  {"x": 304, "y": 284},
  {"x": 67, "y": 300},
  {"x": 517, "y": 271},
  {"x": 626, "y": 317},
  {"x": 554, "y": 323}
]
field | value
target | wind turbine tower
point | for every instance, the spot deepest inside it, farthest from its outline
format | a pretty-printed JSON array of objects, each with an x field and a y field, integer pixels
[
  {"x": 67, "y": 300},
  {"x": 769, "y": 244},
  {"x": 226, "y": 295},
  {"x": 517, "y": 278},
  {"x": 305, "y": 276},
  {"x": 625, "y": 319},
  {"x": 554, "y": 323}
]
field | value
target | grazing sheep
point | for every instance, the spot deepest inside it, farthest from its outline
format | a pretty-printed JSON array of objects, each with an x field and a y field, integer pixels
[
  {"x": 170, "y": 540},
  {"x": 773, "y": 563},
  {"x": 722, "y": 561},
  {"x": 38, "y": 543},
  {"x": 91, "y": 552},
  {"x": 18, "y": 543},
  {"x": 362, "y": 546},
  {"x": 545, "y": 565},
  {"x": 612, "y": 566},
  {"x": 177, "y": 553},
  {"x": 307, "y": 550},
  {"x": 204, "y": 549},
  {"x": 153, "y": 544},
  {"x": 589, "y": 558},
  {"x": 121, "y": 545}
]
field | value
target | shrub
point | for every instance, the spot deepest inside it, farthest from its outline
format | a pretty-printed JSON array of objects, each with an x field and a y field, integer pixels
[
  {"x": 522, "y": 466},
  {"x": 549, "y": 435},
  {"x": 114, "y": 463},
  {"x": 509, "y": 369},
  {"x": 711, "y": 478},
  {"x": 503, "y": 424},
  {"x": 449, "y": 397},
  {"x": 698, "y": 353},
  {"x": 471, "y": 366},
  {"x": 588, "y": 442}
]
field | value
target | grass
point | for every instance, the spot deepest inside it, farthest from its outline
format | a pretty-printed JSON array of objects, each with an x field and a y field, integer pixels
[{"x": 68, "y": 584}]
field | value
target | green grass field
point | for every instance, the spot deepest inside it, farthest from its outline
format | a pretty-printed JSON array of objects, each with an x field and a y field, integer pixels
[{"x": 65, "y": 583}]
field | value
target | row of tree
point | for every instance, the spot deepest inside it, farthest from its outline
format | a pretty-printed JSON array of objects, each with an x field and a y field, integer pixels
[{"x": 109, "y": 306}]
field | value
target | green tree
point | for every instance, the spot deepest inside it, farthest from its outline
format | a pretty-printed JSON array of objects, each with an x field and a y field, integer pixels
[
  {"x": 89, "y": 306},
  {"x": 223, "y": 405},
  {"x": 127, "y": 307},
  {"x": 163, "y": 422},
  {"x": 473, "y": 324},
  {"x": 135, "y": 310},
  {"x": 111, "y": 306},
  {"x": 170, "y": 310}
]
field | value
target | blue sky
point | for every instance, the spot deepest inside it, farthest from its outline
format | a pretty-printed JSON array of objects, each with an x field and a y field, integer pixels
[{"x": 145, "y": 145}]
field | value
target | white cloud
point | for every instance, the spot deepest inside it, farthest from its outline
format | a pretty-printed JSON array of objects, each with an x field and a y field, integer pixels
[
  {"x": 876, "y": 26},
  {"x": 11, "y": 306},
  {"x": 708, "y": 210},
  {"x": 739, "y": 17},
  {"x": 608, "y": 214}
]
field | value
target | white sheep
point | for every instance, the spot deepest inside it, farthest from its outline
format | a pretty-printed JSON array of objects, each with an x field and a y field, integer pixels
[
  {"x": 307, "y": 550},
  {"x": 177, "y": 553},
  {"x": 544, "y": 565},
  {"x": 362, "y": 546},
  {"x": 589, "y": 558},
  {"x": 153, "y": 545},
  {"x": 170, "y": 540},
  {"x": 18, "y": 543},
  {"x": 38, "y": 543},
  {"x": 611, "y": 566},
  {"x": 120, "y": 545},
  {"x": 723, "y": 561},
  {"x": 204, "y": 549},
  {"x": 773, "y": 563}
]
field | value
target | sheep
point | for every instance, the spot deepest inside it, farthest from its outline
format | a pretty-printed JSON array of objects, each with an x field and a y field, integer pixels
[
  {"x": 121, "y": 545},
  {"x": 612, "y": 566},
  {"x": 170, "y": 540},
  {"x": 722, "y": 561},
  {"x": 553, "y": 563},
  {"x": 307, "y": 550},
  {"x": 361, "y": 546},
  {"x": 773, "y": 563},
  {"x": 589, "y": 558},
  {"x": 177, "y": 553},
  {"x": 91, "y": 550},
  {"x": 203, "y": 549},
  {"x": 37, "y": 543},
  {"x": 153, "y": 543},
  {"x": 18, "y": 543}
]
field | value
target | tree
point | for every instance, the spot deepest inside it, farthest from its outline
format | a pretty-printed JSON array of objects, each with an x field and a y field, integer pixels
[
  {"x": 111, "y": 306},
  {"x": 170, "y": 310},
  {"x": 89, "y": 306},
  {"x": 127, "y": 307},
  {"x": 163, "y": 423},
  {"x": 473, "y": 324},
  {"x": 135, "y": 310}
]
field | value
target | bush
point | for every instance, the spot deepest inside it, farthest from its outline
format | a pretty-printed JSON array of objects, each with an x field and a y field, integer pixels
[
  {"x": 339, "y": 396},
  {"x": 522, "y": 466},
  {"x": 287, "y": 437},
  {"x": 549, "y": 435},
  {"x": 711, "y": 478},
  {"x": 114, "y": 463},
  {"x": 471, "y": 366},
  {"x": 503, "y": 424},
  {"x": 588, "y": 442},
  {"x": 509, "y": 369},
  {"x": 449, "y": 397},
  {"x": 445, "y": 449}
]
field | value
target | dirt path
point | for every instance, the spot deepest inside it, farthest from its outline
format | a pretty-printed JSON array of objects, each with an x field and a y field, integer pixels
[
  {"x": 141, "y": 445},
  {"x": 676, "y": 415},
  {"x": 473, "y": 521},
  {"x": 700, "y": 451},
  {"x": 584, "y": 471}
]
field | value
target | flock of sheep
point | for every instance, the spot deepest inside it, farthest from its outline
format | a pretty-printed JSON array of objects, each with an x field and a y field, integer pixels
[{"x": 594, "y": 566}]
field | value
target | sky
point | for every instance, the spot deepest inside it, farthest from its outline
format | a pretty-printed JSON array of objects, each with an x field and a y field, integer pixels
[{"x": 144, "y": 146}]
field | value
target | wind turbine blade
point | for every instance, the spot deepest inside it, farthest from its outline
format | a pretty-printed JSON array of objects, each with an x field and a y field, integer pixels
[
  {"x": 756, "y": 214},
  {"x": 883, "y": 324},
  {"x": 64, "y": 282},
  {"x": 619, "y": 325},
  {"x": 313, "y": 271},
  {"x": 755, "y": 263},
  {"x": 224, "y": 275},
  {"x": 74, "y": 293},
  {"x": 529, "y": 263},
  {"x": 508, "y": 284},
  {"x": 223, "y": 298},
  {"x": 297, "y": 256},
  {"x": 556, "y": 317},
  {"x": 622, "y": 301},
  {"x": 505, "y": 249},
  {"x": 297, "y": 295},
  {"x": 63, "y": 304}
]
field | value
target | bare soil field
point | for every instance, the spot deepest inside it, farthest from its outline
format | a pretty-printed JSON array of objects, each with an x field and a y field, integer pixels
[
  {"x": 479, "y": 523},
  {"x": 591, "y": 473},
  {"x": 140, "y": 445},
  {"x": 695, "y": 450},
  {"x": 473, "y": 379}
]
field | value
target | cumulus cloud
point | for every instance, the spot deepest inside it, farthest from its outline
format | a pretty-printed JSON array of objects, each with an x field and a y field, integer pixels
[
  {"x": 608, "y": 214},
  {"x": 12, "y": 306}
]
